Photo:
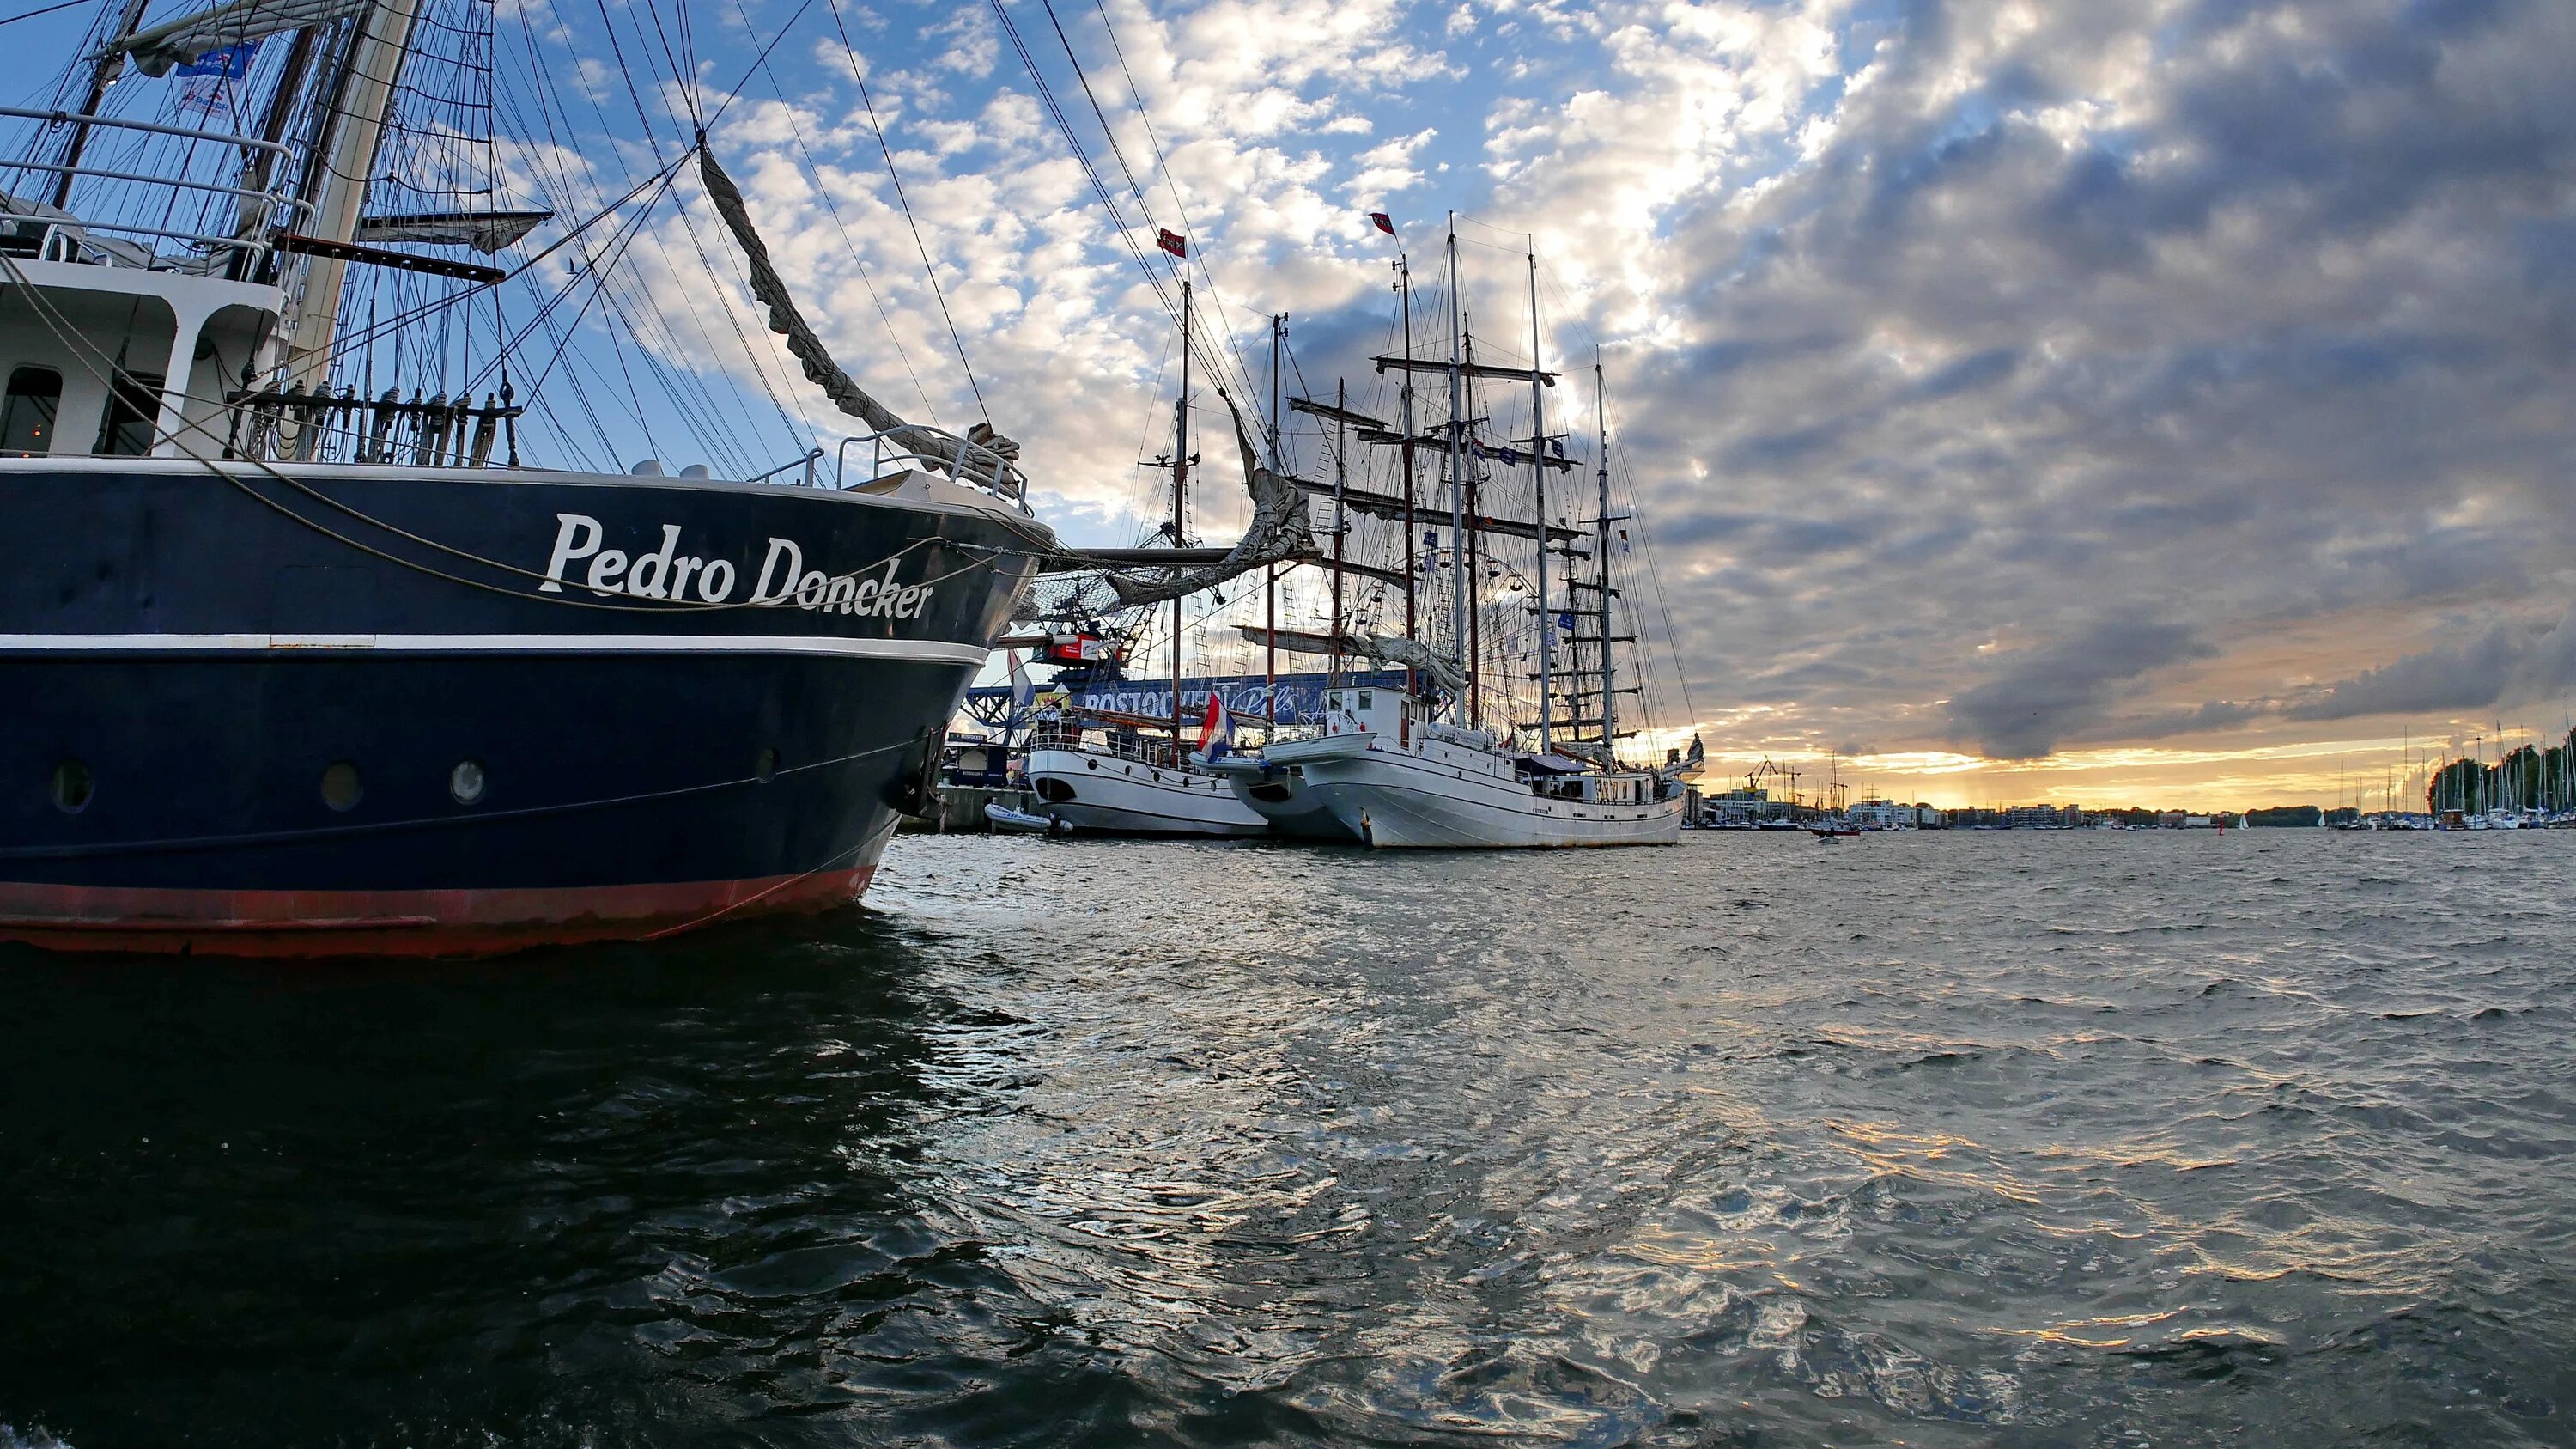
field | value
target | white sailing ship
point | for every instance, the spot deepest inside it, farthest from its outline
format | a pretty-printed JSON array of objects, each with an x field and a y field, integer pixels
[
  {"x": 1425, "y": 769},
  {"x": 1114, "y": 774}
]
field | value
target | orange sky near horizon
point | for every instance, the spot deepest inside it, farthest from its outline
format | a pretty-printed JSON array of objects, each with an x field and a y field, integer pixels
[{"x": 2356, "y": 769}]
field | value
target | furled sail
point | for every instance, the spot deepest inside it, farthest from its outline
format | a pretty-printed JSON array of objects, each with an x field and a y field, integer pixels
[
  {"x": 178, "y": 42},
  {"x": 484, "y": 231},
  {"x": 1279, "y": 532},
  {"x": 1415, "y": 655},
  {"x": 1411, "y": 654},
  {"x": 1686, "y": 766},
  {"x": 985, "y": 461}
]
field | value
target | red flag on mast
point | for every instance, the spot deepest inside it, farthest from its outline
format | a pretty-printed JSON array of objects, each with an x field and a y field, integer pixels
[
  {"x": 1385, "y": 223},
  {"x": 1173, "y": 242}
]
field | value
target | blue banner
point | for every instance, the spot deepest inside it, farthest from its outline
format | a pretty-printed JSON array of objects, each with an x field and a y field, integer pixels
[{"x": 1301, "y": 696}]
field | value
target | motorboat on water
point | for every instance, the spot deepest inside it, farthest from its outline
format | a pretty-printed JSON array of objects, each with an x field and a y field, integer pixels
[{"x": 1007, "y": 820}]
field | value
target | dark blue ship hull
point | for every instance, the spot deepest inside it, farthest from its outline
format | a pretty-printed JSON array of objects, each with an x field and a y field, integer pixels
[{"x": 414, "y": 711}]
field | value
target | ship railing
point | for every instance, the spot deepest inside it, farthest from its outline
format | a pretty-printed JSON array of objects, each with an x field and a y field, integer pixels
[
  {"x": 327, "y": 427},
  {"x": 889, "y": 457},
  {"x": 1117, "y": 742},
  {"x": 47, "y": 233}
]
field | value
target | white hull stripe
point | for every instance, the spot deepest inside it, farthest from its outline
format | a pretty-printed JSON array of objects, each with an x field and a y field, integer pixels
[{"x": 913, "y": 649}]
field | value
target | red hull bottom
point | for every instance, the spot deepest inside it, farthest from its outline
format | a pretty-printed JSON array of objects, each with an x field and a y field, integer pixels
[{"x": 396, "y": 923}]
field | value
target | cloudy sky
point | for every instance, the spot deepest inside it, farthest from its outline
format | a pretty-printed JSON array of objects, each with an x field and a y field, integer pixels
[
  {"x": 2107, "y": 402},
  {"x": 2160, "y": 401}
]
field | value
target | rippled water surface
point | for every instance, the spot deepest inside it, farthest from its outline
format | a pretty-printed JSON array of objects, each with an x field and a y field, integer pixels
[{"x": 2017, "y": 1138}]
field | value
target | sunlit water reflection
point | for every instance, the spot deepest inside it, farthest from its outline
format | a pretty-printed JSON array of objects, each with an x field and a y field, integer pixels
[{"x": 2014, "y": 1138}]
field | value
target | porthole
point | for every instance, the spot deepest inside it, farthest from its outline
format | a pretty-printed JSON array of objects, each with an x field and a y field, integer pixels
[
  {"x": 465, "y": 783},
  {"x": 72, "y": 787},
  {"x": 766, "y": 766},
  {"x": 341, "y": 789}
]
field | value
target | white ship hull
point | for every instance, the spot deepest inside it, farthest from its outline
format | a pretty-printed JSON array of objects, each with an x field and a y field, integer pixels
[
  {"x": 1103, "y": 793},
  {"x": 1434, "y": 795},
  {"x": 1281, "y": 796}
]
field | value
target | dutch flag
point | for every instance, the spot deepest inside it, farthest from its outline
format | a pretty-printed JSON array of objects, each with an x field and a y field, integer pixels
[{"x": 1216, "y": 732}]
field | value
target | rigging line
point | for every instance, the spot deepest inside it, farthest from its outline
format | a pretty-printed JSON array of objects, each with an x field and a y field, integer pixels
[
  {"x": 174, "y": 844},
  {"x": 1127, "y": 522},
  {"x": 631, "y": 395},
  {"x": 689, "y": 226},
  {"x": 857, "y": 262},
  {"x": 581, "y": 399},
  {"x": 938, "y": 293},
  {"x": 1162, "y": 166},
  {"x": 391, "y": 324},
  {"x": 680, "y": 77},
  {"x": 634, "y": 93},
  {"x": 566, "y": 180},
  {"x": 597, "y": 267},
  {"x": 617, "y": 243},
  {"x": 1144, "y": 207},
  {"x": 91, "y": 358},
  {"x": 47, "y": 10},
  {"x": 761, "y": 357},
  {"x": 1117, "y": 223},
  {"x": 1627, "y": 477},
  {"x": 762, "y": 59}
]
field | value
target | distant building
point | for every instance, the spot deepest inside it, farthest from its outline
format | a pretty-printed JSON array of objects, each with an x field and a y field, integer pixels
[
  {"x": 2043, "y": 817},
  {"x": 1892, "y": 815},
  {"x": 1741, "y": 804}
]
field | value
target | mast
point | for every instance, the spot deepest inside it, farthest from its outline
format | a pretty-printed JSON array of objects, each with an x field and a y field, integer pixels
[
  {"x": 1459, "y": 581},
  {"x": 1468, "y": 551},
  {"x": 1538, "y": 485},
  {"x": 1270, "y": 572},
  {"x": 1341, "y": 520},
  {"x": 1180, "y": 500},
  {"x": 110, "y": 65},
  {"x": 1412, "y": 568},
  {"x": 360, "y": 96},
  {"x": 1601, "y": 543},
  {"x": 251, "y": 212}
]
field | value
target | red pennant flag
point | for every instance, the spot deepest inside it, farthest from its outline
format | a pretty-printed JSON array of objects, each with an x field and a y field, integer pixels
[
  {"x": 1385, "y": 223},
  {"x": 1173, "y": 242}
]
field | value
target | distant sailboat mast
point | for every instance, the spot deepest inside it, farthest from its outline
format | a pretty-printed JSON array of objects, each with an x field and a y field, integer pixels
[
  {"x": 1538, "y": 489},
  {"x": 1412, "y": 564},
  {"x": 1270, "y": 574},
  {"x": 1342, "y": 519},
  {"x": 1180, "y": 497},
  {"x": 1601, "y": 547},
  {"x": 1459, "y": 582}
]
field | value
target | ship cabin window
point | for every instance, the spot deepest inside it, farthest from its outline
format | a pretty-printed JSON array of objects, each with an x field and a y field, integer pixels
[
  {"x": 27, "y": 415},
  {"x": 133, "y": 407},
  {"x": 1364, "y": 699}
]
